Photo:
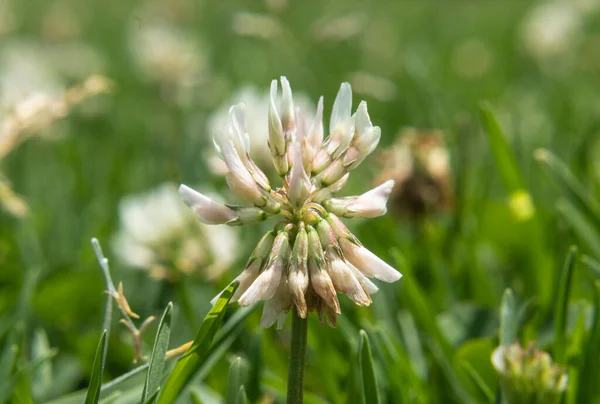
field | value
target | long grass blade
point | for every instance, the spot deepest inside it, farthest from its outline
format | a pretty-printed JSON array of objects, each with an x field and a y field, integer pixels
[
  {"x": 158, "y": 359},
  {"x": 93, "y": 393},
  {"x": 192, "y": 360}
]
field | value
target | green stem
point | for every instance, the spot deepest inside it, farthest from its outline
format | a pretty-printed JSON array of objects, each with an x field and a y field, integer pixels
[{"x": 297, "y": 359}]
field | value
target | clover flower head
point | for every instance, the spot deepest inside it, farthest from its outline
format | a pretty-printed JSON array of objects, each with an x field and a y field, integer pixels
[{"x": 310, "y": 255}]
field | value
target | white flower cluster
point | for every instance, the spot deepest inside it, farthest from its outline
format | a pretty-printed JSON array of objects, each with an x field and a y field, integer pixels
[{"x": 310, "y": 255}]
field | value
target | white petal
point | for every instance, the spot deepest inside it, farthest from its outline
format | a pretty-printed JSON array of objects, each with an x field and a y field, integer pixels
[
  {"x": 323, "y": 286},
  {"x": 287, "y": 106},
  {"x": 276, "y": 138},
  {"x": 342, "y": 107},
  {"x": 344, "y": 281},
  {"x": 239, "y": 178},
  {"x": 315, "y": 132},
  {"x": 365, "y": 282},
  {"x": 370, "y": 204},
  {"x": 368, "y": 263},
  {"x": 207, "y": 210},
  {"x": 265, "y": 286},
  {"x": 299, "y": 187},
  {"x": 276, "y": 306},
  {"x": 246, "y": 278}
]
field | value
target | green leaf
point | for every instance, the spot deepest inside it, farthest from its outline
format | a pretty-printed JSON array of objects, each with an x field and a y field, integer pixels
[
  {"x": 485, "y": 389},
  {"x": 367, "y": 369},
  {"x": 158, "y": 358},
  {"x": 93, "y": 392},
  {"x": 560, "y": 318},
  {"x": 238, "y": 374},
  {"x": 508, "y": 318},
  {"x": 503, "y": 155},
  {"x": 190, "y": 362}
]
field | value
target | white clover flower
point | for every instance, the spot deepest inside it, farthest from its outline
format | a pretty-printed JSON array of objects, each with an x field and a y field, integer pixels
[
  {"x": 310, "y": 255},
  {"x": 166, "y": 54},
  {"x": 551, "y": 28},
  {"x": 158, "y": 233},
  {"x": 257, "y": 110}
]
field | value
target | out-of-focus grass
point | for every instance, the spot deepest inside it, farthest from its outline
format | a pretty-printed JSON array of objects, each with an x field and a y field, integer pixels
[{"x": 432, "y": 333}]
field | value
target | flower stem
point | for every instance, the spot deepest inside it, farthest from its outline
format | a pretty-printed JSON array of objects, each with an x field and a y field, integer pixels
[{"x": 297, "y": 359}]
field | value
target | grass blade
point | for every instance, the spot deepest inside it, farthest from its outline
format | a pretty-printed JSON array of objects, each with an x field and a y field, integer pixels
[
  {"x": 367, "y": 369},
  {"x": 508, "y": 318},
  {"x": 158, "y": 359},
  {"x": 560, "y": 319},
  {"x": 190, "y": 362},
  {"x": 569, "y": 184},
  {"x": 93, "y": 393},
  {"x": 580, "y": 225},
  {"x": 238, "y": 374},
  {"x": 592, "y": 265}
]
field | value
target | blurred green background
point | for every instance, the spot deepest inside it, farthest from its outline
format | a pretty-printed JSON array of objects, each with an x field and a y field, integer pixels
[{"x": 175, "y": 64}]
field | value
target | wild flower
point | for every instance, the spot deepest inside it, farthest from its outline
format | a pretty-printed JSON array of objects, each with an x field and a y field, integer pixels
[
  {"x": 158, "y": 234},
  {"x": 310, "y": 255},
  {"x": 528, "y": 375}
]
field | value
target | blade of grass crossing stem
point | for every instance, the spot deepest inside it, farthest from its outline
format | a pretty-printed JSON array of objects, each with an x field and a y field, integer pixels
[
  {"x": 367, "y": 370},
  {"x": 573, "y": 216},
  {"x": 190, "y": 362},
  {"x": 508, "y": 318},
  {"x": 569, "y": 184},
  {"x": 93, "y": 393},
  {"x": 560, "y": 310},
  {"x": 238, "y": 374},
  {"x": 158, "y": 358}
]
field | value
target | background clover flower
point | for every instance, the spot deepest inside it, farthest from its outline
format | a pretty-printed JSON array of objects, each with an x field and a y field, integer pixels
[{"x": 310, "y": 255}]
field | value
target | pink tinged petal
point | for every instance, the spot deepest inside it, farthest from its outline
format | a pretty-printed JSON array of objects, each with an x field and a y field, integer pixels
[
  {"x": 265, "y": 285},
  {"x": 298, "y": 272},
  {"x": 333, "y": 173},
  {"x": 344, "y": 280},
  {"x": 322, "y": 284},
  {"x": 287, "y": 107},
  {"x": 365, "y": 282},
  {"x": 326, "y": 193},
  {"x": 276, "y": 308},
  {"x": 315, "y": 132},
  {"x": 246, "y": 278},
  {"x": 236, "y": 128},
  {"x": 368, "y": 205},
  {"x": 207, "y": 210},
  {"x": 239, "y": 179},
  {"x": 300, "y": 185},
  {"x": 276, "y": 137},
  {"x": 368, "y": 263},
  {"x": 338, "y": 227},
  {"x": 321, "y": 161}
]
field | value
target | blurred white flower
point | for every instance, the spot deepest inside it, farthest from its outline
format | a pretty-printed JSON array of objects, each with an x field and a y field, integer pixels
[
  {"x": 551, "y": 28},
  {"x": 257, "y": 109},
  {"x": 159, "y": 234},
  {"x": 472, "y": 59},
  {"x": 165, "y": 53},
  {"x": 256, "y": 25}
]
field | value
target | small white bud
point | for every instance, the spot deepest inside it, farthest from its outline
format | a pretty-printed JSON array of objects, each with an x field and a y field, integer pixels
[
  {"x": 207, "y": 210},
  {"x": 276, "y": 137}
]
